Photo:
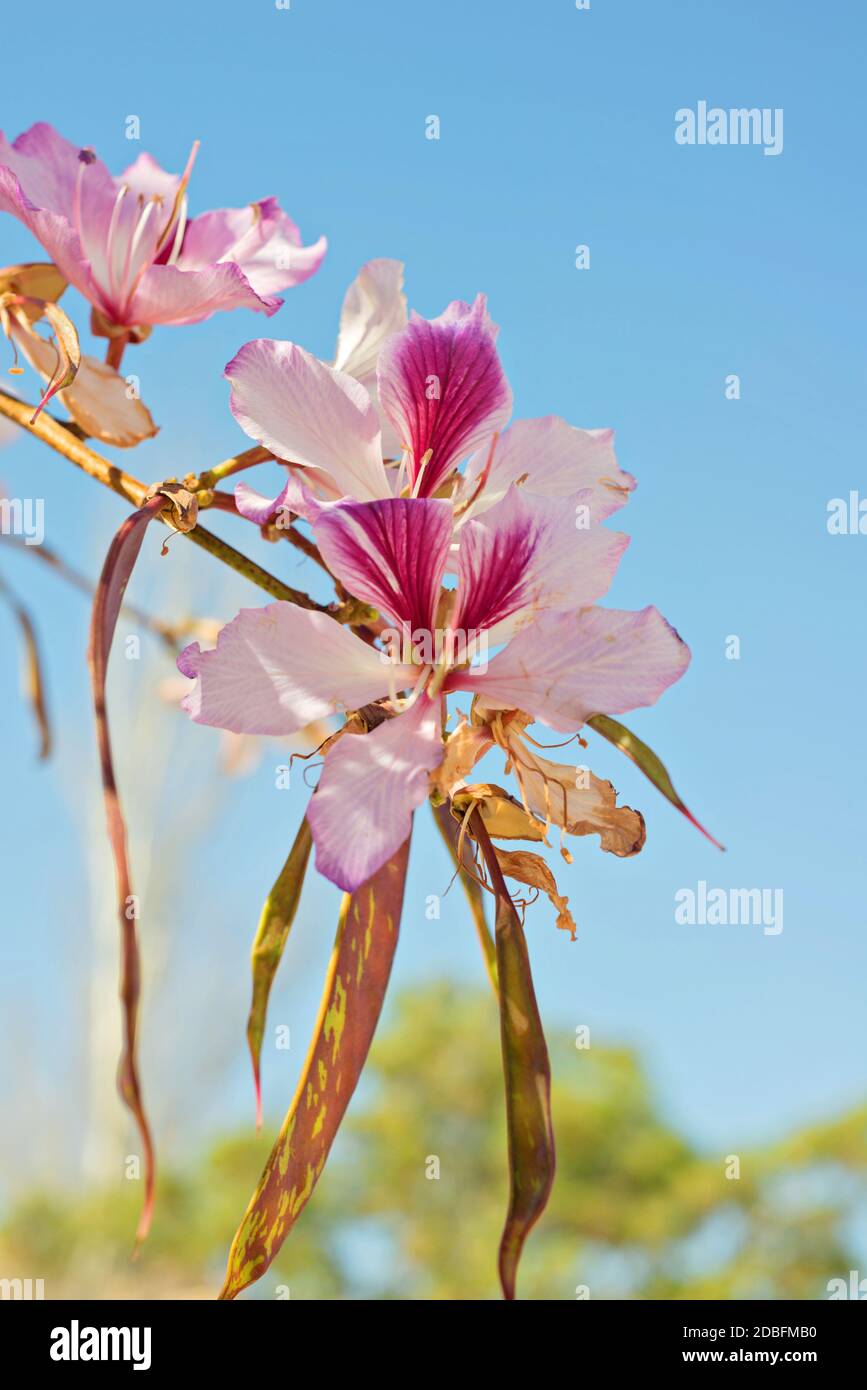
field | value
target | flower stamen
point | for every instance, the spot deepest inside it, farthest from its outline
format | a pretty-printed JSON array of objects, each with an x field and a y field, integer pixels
[
  {"x": 426, "y": 458},
  {"x": 180, "y": 197},
  {"x": 134, "y": 244},
  {"x": 111, "y": 237},
  {"x": 85, "y": 157}
]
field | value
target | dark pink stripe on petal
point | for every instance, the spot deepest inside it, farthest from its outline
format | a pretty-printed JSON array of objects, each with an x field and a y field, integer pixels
[
  {"x": 390, "y": 553},
  {"x": 526, "y": 554},
  {"x": 443, "y": 388}
]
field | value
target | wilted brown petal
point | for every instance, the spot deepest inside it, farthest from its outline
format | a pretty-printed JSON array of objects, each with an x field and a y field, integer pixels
[
  {"x": 34, "y": 280},
  {"x": 504, "y": 817},
  {"x": 99, "y": 398},
  {"x": 62, "y": 357},
  {"x": 579, "y": 802},
  {"x": 531, "y": 869},
  {"x": 463, "y": 748}
]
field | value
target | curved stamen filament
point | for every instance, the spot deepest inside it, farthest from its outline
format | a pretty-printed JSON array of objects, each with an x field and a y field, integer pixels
[
  {"x": 179, "y": 195},
  {"x": 564, "y": 744},
  {"x": 136, "y": 239},
  {"x": 129, "y": 288},
  {"x": 127, "y": 260},
  {"x": 112, "y": 237},
  {"x": 414, "y": 694},
  {"x": 179, "y": 234},
  {"x": 85, "y": 157},
  {"x": 426, "y": 458},
  {"x": 464, "y": 507}
]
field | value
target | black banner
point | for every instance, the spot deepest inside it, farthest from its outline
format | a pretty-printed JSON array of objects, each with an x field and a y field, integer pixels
[{"x": 81, "y": 1339}]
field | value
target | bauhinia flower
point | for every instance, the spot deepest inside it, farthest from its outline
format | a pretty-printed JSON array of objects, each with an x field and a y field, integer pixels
[
  {"x": 524, "y": 572},
  {"x": 403, "y": 406},
  {"x": 127, "y": 244}
]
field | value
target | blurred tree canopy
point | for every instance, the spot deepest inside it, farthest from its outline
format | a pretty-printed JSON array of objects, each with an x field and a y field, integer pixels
[{"x": 412, "y": 1201}]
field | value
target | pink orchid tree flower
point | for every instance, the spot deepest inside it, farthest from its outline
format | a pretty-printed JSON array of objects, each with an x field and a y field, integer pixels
[
  {"x": 524, "y": 572},
  {"x": 127, "y": 244},
  {"x": 427, "y": 395}
]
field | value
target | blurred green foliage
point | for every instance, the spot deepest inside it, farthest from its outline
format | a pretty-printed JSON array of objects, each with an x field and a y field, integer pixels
[{"x": 636, "y": 1211}]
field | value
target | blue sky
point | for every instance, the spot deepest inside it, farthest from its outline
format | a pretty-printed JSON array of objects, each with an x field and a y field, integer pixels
[{"x": 557, "y": 129}]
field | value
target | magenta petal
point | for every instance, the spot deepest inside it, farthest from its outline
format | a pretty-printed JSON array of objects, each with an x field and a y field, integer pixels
[
  {"x": 567, "y": 666},
  {"x": 525, "y": 555},
  {"x": 391, "y": 553},
  {"x": 443, "y": 388},
  {"x": 370, "y": 785},
  {"x": 278, "y": 668}
]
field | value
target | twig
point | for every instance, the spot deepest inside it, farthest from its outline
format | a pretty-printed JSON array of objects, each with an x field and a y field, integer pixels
[
  {"x": 64, "y": 442},
  {"x": 72, "y": 447},
  {"x": 236, "y": 464}
]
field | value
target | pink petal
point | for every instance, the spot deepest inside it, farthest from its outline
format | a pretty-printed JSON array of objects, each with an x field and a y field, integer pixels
[
  {"x": 370, "y": 785},
  {"x": 390, "y": 553},
  {"x": 308, "y": 413},
  {"x": 47, "y": 168},
  {"x": 280, "y": 260},
  {"x": 373, "y": 309},
  {"x": 167, "y": 294},
  {"x": 256, "y": 507},
  {"x": 261, "y": 238},
  {"x": 37, "y": 185},
  {"x": 147, "y": 177},
  {"x": 292, "y": 500},
  {"x": 442, "y": 386},
  {"x": 567, "y": 666},
  {"x": 556, "y": 460},
  {"x": 278, "y": 668},
  {"x": 526, "y": 555},
  {"x": 212, "y": 236},
  {"x": 67, "y": 198}
]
